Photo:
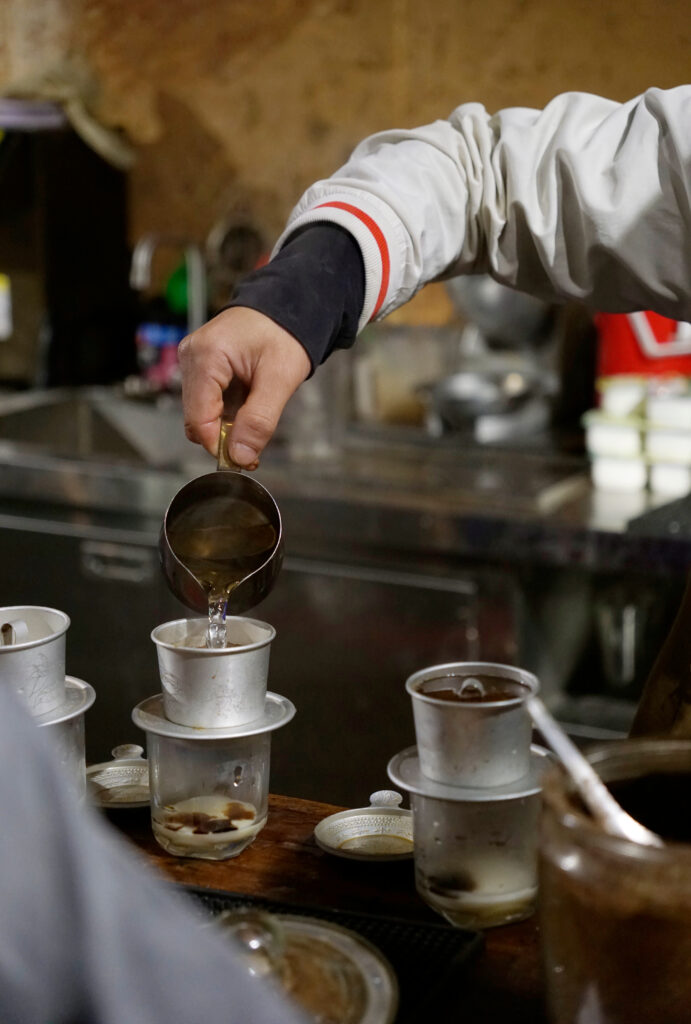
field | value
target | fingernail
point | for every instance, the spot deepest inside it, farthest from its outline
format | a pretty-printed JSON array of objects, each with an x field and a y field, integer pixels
[{"x": 243, "y": 454}]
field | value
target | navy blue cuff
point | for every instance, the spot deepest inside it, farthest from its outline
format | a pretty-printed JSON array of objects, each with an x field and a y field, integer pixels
[{"x": 314, "y": 288}]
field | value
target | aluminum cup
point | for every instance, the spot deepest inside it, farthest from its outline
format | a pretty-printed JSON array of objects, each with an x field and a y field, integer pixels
[
  {"x": 65, "y": 727},
  {"x": 33, "y": 663},
  {"x": 467, "y": 743},
  {"x": 213, "y": 687}
]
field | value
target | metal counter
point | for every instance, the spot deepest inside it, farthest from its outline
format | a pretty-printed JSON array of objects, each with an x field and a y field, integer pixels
[
  {"x": 419, "y": 496},
  {"x": 400, "y": 552}
]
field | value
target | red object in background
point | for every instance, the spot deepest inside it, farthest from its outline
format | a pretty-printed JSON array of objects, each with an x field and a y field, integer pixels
[{"x": 642, "y": 343}]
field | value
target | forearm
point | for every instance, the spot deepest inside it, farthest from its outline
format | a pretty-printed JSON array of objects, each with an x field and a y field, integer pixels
[{"x": 588, "y": 199}]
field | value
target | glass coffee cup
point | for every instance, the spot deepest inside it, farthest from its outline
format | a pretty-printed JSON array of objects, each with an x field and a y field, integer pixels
[
  {"x": 475, "y": 849},
  {"x": 209, "y": 788}
]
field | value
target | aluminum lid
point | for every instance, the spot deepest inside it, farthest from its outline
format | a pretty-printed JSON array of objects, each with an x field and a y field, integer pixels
[
  {"x": 122, "y": 782},
  {"x": 382, "y": 831},
  {"x": 404, "y": 771},
  {"x": 150, "y": 717},
  {"x": 79, "y": 696}
]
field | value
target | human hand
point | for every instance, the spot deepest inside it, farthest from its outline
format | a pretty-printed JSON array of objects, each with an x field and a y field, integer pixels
[{"x": 244, "y": 346}]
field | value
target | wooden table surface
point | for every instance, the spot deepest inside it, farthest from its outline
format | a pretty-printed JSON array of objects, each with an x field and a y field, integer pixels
[{"x": 500, "y": 982}]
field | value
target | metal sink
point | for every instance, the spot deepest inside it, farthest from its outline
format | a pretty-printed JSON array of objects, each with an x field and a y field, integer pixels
[{"x": 94, "y": 424}]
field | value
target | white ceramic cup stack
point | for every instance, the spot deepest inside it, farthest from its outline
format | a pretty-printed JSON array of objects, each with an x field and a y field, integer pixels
[
  {"x": 209, "y": 735},
  {"x": 32, "y": 664},
  {"x": 474, "y": 785}
]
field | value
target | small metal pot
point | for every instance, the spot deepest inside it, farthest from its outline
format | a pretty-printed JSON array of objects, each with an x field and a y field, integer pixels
[{"x": 255, "y": 587}]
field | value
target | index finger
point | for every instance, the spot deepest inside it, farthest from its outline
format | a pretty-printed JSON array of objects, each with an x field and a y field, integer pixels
[{"x": 205, "y": 375}]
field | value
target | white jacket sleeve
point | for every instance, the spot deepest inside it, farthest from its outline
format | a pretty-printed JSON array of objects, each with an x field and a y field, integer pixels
[{"x": 587, "y": 199}]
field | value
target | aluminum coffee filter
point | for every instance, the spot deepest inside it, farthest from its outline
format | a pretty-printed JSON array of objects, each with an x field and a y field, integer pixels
[{"x": 469, "y": 743}]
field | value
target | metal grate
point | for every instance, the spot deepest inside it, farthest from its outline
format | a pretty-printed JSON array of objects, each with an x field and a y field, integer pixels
[{"x": 427, "y": 958}]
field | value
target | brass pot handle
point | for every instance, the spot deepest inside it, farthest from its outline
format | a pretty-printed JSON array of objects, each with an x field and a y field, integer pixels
[
  {"x": 233, "y": 397},
  {"x": 223, "y": 459}
]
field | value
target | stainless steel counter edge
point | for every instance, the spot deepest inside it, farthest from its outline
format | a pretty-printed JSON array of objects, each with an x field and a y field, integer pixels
[{"x": 329, "y": 512}]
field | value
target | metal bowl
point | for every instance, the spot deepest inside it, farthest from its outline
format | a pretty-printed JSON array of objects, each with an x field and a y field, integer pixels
[{"x": 495, "y": 387}]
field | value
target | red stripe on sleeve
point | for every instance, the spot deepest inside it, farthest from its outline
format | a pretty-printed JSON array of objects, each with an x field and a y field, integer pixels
[{"x": 378, "y": 236}]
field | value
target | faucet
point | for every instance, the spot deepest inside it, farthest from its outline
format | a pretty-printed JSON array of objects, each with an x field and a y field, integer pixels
[{"x": 140, "y": 273}]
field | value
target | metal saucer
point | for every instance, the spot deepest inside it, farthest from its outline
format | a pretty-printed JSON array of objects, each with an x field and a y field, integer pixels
[
  {"x": 404, "y": 771},
  {"x": 382, "y": 831},
  {"x": 308, "y": 935},
  {"x": 149, "y": 716},
  {"x": 332, "y": 972},
  {"x": 79, "y": 696}
]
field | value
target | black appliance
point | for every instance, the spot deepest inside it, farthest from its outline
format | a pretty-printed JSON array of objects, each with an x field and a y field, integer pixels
[{"x": 63, "y": 253}]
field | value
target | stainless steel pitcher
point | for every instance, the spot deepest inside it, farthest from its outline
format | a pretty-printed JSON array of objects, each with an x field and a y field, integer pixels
[{"x": 229, "y": 482}]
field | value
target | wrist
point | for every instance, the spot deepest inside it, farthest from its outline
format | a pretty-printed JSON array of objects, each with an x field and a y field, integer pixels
[{"x": 313, "y": 289}]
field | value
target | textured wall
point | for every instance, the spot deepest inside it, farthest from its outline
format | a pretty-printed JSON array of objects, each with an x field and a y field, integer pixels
[{"x": 236, "y": 105}]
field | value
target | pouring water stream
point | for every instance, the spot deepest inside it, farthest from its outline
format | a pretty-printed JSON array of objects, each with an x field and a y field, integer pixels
[{"x": 218, "y": 599}]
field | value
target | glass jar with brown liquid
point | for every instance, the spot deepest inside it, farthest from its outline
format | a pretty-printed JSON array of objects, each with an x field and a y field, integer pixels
[{"x": 615, "y": 915}]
